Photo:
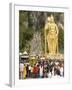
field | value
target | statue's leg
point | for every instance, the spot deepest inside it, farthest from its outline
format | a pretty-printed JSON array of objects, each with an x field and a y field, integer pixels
[
  {"x": 54, "y": 45},
  {"x": 57, "y": 45},
  {"x": 50, "y": 45}
]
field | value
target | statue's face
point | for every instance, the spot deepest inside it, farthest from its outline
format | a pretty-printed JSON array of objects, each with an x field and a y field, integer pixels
[{"x": 52, "y": 19}]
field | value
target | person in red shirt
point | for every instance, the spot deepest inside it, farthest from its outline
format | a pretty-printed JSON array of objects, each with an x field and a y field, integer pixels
[{"x": 35, "y": 71}]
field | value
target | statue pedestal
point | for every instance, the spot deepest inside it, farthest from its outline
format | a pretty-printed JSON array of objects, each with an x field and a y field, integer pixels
[{"x": 55, "y": 56}]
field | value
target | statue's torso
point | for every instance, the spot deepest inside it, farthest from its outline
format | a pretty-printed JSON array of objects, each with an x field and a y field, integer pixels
[{"x": 52, "y": 30}]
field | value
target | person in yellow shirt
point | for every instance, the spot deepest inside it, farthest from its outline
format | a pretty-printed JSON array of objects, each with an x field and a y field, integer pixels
[{"x": 25, "y": 72}]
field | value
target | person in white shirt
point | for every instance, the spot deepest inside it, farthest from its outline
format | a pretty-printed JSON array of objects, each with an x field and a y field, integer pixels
[
  {"x": 29, "y": 68},
  {"x": 61, "y": 71},
  {"x": 49, "y": 74},
  {"x": 41, "y": 71},
  {"x": 21, "y": 70},
  {"x": 53, "y": 71}
]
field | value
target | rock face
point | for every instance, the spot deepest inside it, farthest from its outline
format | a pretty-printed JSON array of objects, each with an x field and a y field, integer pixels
[{"x": 36, "y": 44}]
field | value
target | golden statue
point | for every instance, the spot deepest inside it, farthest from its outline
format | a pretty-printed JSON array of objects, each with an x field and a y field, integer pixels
[{"x": 51, "y": 36}]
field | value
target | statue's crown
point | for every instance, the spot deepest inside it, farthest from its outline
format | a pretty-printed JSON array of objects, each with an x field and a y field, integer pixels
[{"x": 52, "y": 17}]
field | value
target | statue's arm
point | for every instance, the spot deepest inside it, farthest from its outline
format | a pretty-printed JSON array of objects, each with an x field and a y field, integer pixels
[
  {"x": 45, "y": 33},
  {"x": 46, "y": 26},
  {"x": 57, "y": 30}
]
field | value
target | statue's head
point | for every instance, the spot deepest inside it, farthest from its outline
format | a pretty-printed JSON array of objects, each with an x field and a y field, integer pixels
[
  {"x": 52, "y": 18},
  {"x": 48, "y": 19}
]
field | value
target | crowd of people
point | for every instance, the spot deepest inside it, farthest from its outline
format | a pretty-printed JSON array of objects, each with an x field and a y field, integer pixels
[{"x": 41, "y": 69}]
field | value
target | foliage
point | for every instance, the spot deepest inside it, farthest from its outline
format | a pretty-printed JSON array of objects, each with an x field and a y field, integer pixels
[
  {"x": 25, "y": 34},
  {"x": 61, "y": 40}
]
